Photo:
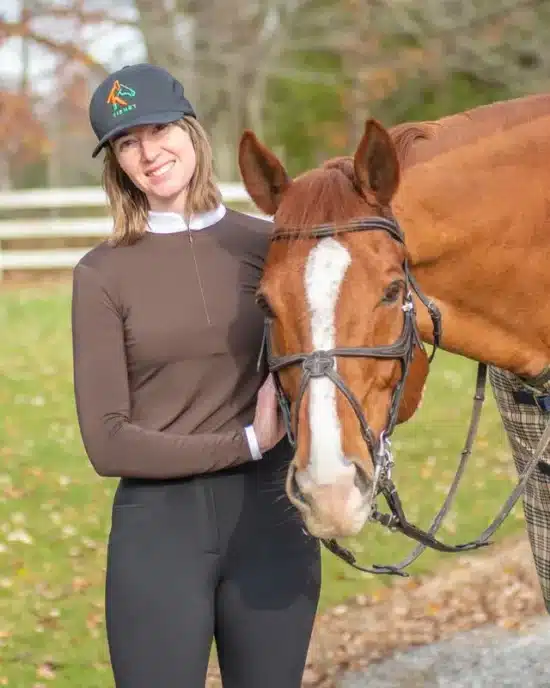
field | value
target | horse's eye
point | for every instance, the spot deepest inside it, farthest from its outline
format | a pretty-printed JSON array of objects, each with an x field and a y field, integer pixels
[
  {"x": 392, "y": 292},
  {"x": 263, "y": 303}
]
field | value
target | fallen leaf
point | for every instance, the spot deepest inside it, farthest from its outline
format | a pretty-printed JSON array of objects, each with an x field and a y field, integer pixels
[
  {"x": 79, "y": 584},
  {"x": 20, "y": 535},
  {"x": 45, "y": 671}
]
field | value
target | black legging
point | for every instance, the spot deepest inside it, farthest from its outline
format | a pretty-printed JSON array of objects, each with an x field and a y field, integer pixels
[{"x": 220, "y": 555}]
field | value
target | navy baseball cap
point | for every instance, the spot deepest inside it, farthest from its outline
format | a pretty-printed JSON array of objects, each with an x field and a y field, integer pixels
[{"x": 136, "y": 94}]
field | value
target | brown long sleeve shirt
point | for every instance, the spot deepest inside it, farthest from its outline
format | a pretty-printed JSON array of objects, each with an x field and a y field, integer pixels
[{"x": 166, "y": 336}]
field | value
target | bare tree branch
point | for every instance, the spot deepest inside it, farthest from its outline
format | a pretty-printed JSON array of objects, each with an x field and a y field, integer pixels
[{"x": 22, "y": 29}]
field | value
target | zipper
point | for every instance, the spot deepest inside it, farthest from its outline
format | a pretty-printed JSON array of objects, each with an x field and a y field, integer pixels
[{"x": 197, "y": 272}]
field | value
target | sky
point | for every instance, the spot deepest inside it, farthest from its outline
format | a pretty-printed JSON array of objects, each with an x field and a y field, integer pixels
[{"x": 122, "y": 47}]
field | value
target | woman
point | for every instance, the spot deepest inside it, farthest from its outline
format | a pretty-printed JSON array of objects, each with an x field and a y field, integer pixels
[{"x": 166, "y": 335}]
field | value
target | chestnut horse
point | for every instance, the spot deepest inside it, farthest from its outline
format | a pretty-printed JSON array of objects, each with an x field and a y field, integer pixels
[{"x": 472, "y": 208}]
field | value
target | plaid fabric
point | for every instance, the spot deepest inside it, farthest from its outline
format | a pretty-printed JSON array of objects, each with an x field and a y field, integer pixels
[{"x": 524, "y": 425}]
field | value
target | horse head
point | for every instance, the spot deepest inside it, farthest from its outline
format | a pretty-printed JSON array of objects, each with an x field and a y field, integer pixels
[{"x": 342, "y": 335}]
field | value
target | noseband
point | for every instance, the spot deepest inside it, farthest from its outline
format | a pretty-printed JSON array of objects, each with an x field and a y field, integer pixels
[{"x": 318, "y": 364}]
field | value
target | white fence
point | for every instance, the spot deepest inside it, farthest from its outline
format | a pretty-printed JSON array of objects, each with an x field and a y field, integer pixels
[{"x": 52, "y": 227}]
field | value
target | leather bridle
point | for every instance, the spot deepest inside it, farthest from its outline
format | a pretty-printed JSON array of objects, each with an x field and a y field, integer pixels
[
  {"x": 317, "y": 364},
  {"x": 323, "y": 363}
]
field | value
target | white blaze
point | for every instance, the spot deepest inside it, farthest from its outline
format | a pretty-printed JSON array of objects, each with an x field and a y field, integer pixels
[{"x": 325, "y": 270}]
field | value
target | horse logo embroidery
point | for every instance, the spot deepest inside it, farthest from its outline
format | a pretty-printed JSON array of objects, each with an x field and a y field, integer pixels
[{"x": 116, "y": 97}]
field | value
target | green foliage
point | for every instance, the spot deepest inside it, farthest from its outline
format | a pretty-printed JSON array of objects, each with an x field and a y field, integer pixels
[
  {"x": 30, "y": 176},
  {"x": 306, "y": 110},
  {"x": 308, "y": 121},
  {"x": 425, "y": 99}
]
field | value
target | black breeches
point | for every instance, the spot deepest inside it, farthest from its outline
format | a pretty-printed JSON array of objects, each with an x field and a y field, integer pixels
[{"x": 219, "y": 556}]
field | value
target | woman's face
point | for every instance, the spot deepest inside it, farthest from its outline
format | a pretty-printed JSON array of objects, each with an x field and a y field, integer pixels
[{"x": 160, "y": 160}]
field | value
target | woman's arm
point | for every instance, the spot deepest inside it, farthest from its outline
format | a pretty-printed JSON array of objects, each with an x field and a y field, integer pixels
[{"x": 116, "y": 446}]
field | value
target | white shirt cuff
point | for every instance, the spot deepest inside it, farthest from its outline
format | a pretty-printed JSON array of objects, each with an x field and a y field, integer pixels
[{"x": 253, "y": 443}]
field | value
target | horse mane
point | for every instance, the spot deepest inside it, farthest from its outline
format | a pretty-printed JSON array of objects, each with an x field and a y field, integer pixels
[
  {"x": 406, "y": 135},
  {"x": 417, "y": 142}
]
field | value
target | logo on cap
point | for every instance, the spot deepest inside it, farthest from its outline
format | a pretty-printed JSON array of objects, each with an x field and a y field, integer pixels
[{"x": 116, "y": 97}]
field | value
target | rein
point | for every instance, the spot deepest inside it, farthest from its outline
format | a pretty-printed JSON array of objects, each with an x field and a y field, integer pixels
[{"x": 322, "y": 364}]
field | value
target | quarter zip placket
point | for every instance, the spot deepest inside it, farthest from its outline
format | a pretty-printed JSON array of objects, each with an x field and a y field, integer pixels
[{"x": 197, "y": 272}]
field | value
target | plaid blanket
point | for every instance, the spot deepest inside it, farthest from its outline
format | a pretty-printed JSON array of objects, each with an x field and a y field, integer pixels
[{"x": 524, "y": 425}]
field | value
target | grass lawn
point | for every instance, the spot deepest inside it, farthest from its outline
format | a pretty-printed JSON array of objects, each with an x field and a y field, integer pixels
[{"x": 54, "y": 510}]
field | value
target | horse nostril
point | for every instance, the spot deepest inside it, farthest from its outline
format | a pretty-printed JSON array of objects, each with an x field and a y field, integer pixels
[
  {"x": 294, "y": 488},
  {"x": 296, "y": 491}
]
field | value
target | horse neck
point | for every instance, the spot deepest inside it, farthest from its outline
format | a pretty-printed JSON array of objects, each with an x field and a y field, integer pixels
[
  {"x": 475, "y": 222},
  {"x": 418, "y": 142}
]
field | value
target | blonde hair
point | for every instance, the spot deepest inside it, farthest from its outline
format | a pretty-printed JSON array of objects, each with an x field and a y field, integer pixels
[{"x": 129, "y": 205}]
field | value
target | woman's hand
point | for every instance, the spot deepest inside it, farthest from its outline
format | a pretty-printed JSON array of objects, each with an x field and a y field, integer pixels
[{"x": 268, "y": 422}]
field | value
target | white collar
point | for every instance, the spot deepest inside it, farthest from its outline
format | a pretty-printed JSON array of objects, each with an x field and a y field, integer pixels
[{"x": 168, "y": 222}]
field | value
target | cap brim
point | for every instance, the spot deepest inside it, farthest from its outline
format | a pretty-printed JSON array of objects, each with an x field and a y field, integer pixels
[{"x": 151, "y": 118}]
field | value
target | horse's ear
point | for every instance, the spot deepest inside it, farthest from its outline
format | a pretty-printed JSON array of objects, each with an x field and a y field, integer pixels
[
  {"x": 263, "y": 175},
  {"x": 376, "y": 163}
]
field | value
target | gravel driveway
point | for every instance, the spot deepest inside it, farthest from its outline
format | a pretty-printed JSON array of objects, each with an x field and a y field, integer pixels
[{"x": 481, "y": 658}]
